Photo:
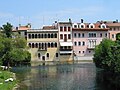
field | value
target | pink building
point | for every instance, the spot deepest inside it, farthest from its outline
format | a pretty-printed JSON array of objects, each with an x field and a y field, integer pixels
[{"x": 86, "y": 36}]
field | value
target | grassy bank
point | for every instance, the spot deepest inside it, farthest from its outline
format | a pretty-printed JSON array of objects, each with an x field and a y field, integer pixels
[{"x": 4, "y": 75}]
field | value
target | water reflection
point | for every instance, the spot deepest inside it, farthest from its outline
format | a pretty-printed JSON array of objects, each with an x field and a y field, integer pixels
[{"x": 58, "y": 77}]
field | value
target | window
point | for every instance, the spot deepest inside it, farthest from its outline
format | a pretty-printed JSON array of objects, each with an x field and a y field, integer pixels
[
  {"x": 29, "y": 36},
  {"x": 106, "y": 35},
  {"x": 61, "y": 36},
  {"x": 68, "y": 28},
  {"x": 36, "y": 45},
  {"x": 89, "y": 51},
  {"x": 30, "y": 45},
  {"x": 48, "y": 35},
  {"x": 39, "y": 55},
  {"x": 56, "y": 54},
  {"x": 52, "y": 45},
  {"x": 75, "y": 26},
  {"x": 83, "y": 43},
  {"x": 112, "y": 35},
  {"x": 75, "y": 43},
  {"x": 38, "y": 35},
  {"x": 61, "y": 28},
  {"x": 32, "y": 35},
  {"x": 48, "y": 45},
  {"x": 75, "y": 35},
  {"x": 92, "y": 34},
  {"x": 55, "y": 35},
  {"x": 25, "y": 33},
  {"x": 42, "y": 36},
  {"x": 82, "y": 26},
  {"x": 48, "y": 55},
  {"x": 79, "y": 43},
  {"x": 83, "y": 51},
  {"x": 79, "y": 35},
  {"x": 83, "y": 35},
  {"x": 79, "y": 51},
  {"x": 69, "y": 47},
  {"x": 35, "y": 35},
  {"x": 69, "y": 36},
  {"x": 55, "y": 44},
  {"x": 65, "y": 29},
  {"x": 45, "y": 35},
  {"x": 51, "y": 35},
  {"x": 100, "y": 34}
]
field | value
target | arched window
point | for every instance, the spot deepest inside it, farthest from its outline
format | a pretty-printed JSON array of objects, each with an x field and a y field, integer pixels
[
  {"x": 45, "y": 35},
  {"x": 36, "y": 45},
  {"x": 39, "y": 45},
  {"x": 33, "y": 36},
  {"x": 45, "y": 45},
  {"x": 52, "y": 45},
  {"x": 38, "y": 35},
  {"x": 29, "y": 36},
  {"x": 75, "y": 43},
  {"x": 42, "y": 45},
  {"x": 103, "y": 26},
  {"x": 91, "y": 26},
  {"x": 83, "y": 43},
  {"x": 33, "y": 45},
  {"x": 48, "y": 45},
  {"x": 55, "y": 35},
  {"x": 39, "y": 55},
  {"x": 48, "y": 35},
  {"x": 51, "y": 35},
  {"x": 55, "y": 44},
  {"x": 47, "y": 55},
  {"x": 42, "y": 36},
  {"x": 82, "y": 25},
  {"x": 30, "y": 45}
]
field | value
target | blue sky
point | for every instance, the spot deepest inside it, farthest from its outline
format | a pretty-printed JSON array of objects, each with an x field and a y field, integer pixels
[{"x": 45, "y": 12}]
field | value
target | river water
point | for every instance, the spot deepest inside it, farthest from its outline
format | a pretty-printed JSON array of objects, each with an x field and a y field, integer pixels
[{"x": 60, "y": 77}]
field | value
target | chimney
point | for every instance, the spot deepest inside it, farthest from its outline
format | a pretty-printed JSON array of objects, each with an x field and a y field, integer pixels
[
  {"x": 70, "y": 20},
  {"x": 116, "y": 20},
  {"x": 81, "y": 20},
  {"x": 29, "y": 25}
]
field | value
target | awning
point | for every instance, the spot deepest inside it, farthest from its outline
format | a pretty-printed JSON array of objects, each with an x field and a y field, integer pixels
[{"x": 66, "y": 44}]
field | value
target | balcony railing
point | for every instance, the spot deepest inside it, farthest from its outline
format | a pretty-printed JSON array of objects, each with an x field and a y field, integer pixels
[{"x": 42, "y": 49}]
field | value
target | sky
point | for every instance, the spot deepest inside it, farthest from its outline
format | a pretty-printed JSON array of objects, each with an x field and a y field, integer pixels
[{"x": 45, "y": 12}]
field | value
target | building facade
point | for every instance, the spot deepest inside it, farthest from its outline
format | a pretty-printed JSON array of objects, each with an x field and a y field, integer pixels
[{"x": 67, "y": 41}]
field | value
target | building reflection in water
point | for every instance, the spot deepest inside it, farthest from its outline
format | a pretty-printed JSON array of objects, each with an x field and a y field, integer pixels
[{"x": 60, "y": 77}]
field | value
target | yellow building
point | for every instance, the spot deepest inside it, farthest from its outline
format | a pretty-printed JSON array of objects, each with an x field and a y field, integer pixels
[{"x": 43, "y": 44}]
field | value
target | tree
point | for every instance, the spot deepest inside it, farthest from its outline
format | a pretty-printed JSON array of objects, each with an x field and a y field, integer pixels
[
  {"x": 107, "y": 56},
  {"x": 7, "y": 29}
]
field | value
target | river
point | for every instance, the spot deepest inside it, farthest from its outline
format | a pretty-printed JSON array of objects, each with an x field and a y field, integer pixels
[{"x": 75, "y": 76}]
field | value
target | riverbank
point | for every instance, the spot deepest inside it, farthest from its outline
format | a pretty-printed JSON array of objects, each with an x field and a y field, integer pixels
[{"x": 7, "y": 80}]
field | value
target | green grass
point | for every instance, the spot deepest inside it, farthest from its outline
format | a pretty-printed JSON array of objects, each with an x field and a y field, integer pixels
[{"x": 6, "y": 85}]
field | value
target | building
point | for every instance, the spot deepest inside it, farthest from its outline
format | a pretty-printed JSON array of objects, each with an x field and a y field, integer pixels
[
  {"x": 43, "y": 44},
  {"x": 85, "y": 37},
  {"x": 65, "y": 41}
]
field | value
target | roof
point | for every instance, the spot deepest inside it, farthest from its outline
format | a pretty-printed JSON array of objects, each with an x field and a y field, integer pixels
[
  {"x": 113, "y": 24},
  {"x": 49, "y": 27},
  {"x": 97, "y": 27},
  {"x": 23, "y": 28}
]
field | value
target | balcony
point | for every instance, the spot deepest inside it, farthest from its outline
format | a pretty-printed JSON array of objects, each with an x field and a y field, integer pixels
[
  {"x": 91, "y": 47},
  {"x": 42, "y": 49}
]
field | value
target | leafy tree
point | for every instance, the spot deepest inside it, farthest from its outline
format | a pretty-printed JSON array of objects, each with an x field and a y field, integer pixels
[
  {"x": 107, "y": 56},
  {"x": 7, "y": 29},
  {"x": 12, "y": 50}
]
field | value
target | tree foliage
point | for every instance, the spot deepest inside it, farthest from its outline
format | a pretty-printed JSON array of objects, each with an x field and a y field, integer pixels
[
  {"x": 12, "y": 50},
  {"x": 107, "y": 55}
]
